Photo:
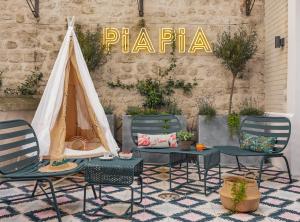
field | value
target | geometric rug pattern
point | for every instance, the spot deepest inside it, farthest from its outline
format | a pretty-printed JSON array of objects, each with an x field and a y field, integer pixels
[{"x": 280, "y": 200}]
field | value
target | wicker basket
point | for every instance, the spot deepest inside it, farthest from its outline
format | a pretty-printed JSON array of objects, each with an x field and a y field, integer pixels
[{"x": 251, "y": 201}]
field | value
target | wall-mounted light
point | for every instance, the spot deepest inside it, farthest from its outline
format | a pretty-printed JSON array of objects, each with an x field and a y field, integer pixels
[
  {"x": 34, "y": 7},
  {"x": 141, "y": 7},
  {"x": 279, "y": 42},
  {"x": 249, "y": 6}
]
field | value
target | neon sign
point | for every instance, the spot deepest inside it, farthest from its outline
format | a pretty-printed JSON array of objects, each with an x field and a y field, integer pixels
[{"x": 143, "y": 42}]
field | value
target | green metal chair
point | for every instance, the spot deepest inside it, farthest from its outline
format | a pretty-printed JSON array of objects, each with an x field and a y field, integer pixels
[
  {"x": 156, "y": 125},
  {"x": 278, "y": 127},
  {"x": 19, "y": 159}
]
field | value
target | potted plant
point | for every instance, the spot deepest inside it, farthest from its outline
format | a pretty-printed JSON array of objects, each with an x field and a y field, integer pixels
[
  {"x": 185, "y": 139},
  {"x": 240, "y": 194},
  {"x": 24, "y": 96}
]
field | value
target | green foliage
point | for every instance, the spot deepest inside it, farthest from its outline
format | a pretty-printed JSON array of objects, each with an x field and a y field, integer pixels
[
  {"x": 233, "y": 122},
  {"x": 238, "y": 192},
  {"x": 153, "y": 92},
  {"x": 184, "y": 135},
  {"x": 235, "y": 50},
  {"x": 119, "y": 84},
  {"x": 29, "y": 87},
  {"x": 206, "y": 107},
  {"x": 250, "y": 107},
  {"x": 157, "y": 92},
  {"x": 170, "y": 108},
  {"x": 93, "y": 51}
]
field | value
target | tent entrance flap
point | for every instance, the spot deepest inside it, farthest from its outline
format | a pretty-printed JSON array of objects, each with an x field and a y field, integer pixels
[{"x": 76, "y": 126}]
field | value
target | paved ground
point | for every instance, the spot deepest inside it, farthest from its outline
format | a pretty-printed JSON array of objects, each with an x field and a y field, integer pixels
[{"x": 280, "y": 201}]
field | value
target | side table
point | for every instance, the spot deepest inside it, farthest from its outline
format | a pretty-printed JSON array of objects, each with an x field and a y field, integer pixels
[
  {"x": 211, "y": 159},
  {"x": 118, "y": 173}
]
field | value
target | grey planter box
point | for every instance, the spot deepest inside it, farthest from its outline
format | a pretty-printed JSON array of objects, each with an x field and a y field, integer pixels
[
  {"x": 215, "y": 133},
  {"x": 128, "y": 143},
  {"x": 111, "y": 122}
]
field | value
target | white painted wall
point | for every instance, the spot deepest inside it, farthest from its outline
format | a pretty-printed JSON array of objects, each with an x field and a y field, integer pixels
[{"x": 293, "y": 83}]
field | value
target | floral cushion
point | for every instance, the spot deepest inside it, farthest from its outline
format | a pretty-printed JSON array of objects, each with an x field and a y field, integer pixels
[
  {"x": 155, "y": 141},
  {"x": 255, "y": 143}
]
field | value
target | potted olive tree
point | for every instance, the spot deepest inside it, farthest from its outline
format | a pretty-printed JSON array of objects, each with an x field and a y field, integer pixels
[{"x": 234, "y": 49}]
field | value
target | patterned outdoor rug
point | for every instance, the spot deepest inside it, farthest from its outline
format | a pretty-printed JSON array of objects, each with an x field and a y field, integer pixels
[{"x": 280, "y": 201}]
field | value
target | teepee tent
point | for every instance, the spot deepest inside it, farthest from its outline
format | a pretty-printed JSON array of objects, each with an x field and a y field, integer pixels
[{"x": 70, "y": 108}]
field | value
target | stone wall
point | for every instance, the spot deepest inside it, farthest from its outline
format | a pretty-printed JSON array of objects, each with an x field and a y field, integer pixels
[{"x": 27, "y": 44}]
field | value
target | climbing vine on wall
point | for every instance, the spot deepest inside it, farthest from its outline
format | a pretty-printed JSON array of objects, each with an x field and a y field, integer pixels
[{"x": 158, "y": 91}]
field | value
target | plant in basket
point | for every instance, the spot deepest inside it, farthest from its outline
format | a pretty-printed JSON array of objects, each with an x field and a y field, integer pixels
[
  {"x": 240, "y": 194},
  {"x": 185, "y": 139}
]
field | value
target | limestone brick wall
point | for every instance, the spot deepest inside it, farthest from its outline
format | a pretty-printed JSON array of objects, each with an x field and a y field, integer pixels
[
  {"x": 276, "y": 59},
  {"x": 27, "y": 44}
]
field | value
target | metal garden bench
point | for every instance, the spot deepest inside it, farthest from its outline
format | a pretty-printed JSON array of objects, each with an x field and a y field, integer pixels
[
  {"x": 278, "y": 127},
  {"x": 19, "y": 160}
]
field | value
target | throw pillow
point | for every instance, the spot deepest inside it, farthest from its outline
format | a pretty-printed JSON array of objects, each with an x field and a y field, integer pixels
[
  {"x": 157, "y": 141},
  {"x": 256, "y": 143}
]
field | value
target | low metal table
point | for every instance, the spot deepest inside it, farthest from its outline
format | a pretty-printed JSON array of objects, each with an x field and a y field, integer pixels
[
  {"x": 117, "y": 172},
  {"x": 211, "y": 159}
]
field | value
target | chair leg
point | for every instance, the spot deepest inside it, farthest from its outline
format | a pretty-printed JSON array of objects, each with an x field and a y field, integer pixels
[
  {"x": 205, "y": 177},
  {"x": 288, "y": 168},
  {"x": 141, "y": 188},
  {"x": 84, "y": 198},
  {"x": 34, "y": 189},
  {"x": 260, "y": 170},
  {"x": 198, "y": 168},
  {"x": 219, "y": 175},
  {"x": 131, "y": 204},
  {"x": 94, "y": 191},
  {"x": 54, "y": 201},
  {"x": 238, "y": 162}
]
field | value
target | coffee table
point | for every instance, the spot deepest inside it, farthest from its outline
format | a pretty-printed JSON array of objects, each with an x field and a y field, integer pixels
[
  {"x": 211, "y": 159},
  {"x": 118, "y": 173}
]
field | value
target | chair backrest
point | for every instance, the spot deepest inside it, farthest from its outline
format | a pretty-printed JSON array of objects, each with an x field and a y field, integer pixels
[
  {"x": 278, "y": 127},
  {"x": 154, "y": 125},
  {"x": 19, "y": 146}
]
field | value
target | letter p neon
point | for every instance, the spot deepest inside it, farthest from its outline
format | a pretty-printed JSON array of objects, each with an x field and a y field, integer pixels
[{"x": 110, "y": 36}]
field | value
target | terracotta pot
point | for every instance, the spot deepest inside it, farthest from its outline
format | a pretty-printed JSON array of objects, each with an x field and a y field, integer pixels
[
  {"x": 249, "y": 204},
  {"x": 185, "y": 145}
]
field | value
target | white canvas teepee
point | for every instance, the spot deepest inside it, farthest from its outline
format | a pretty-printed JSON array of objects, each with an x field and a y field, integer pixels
[{"x": 70, "y": 106}]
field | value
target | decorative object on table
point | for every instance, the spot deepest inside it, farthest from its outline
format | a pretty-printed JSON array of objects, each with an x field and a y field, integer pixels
[
  {"x": 185, "y": 139},
  {"x": 200, "y": 147},
  {"x": 264, "y": 144},
  {"x": 240, "y": 194},
  {"x": 125, "y": 155},
  {"x": 107, "y": 156},
  {"x": 156, "y": 141}
]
